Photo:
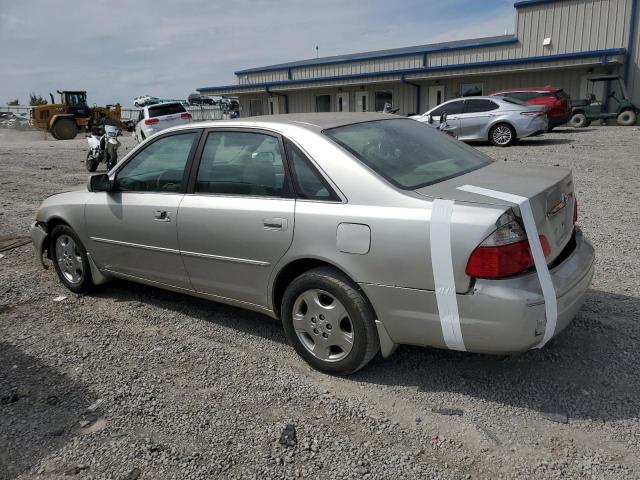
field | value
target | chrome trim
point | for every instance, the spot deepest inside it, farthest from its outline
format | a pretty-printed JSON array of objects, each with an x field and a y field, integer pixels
[
  {"x": 188, "y": 254},
  {"x": 226, "y": 259},
  {"x": 135, "y": 245}
]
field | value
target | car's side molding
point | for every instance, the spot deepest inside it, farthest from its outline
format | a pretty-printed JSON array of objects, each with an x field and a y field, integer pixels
[{"x": 180, "y": 252}]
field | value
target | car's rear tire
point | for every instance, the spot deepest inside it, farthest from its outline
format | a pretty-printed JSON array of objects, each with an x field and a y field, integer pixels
[
  {"x": 70, "y": 260},
  {"x": 502, "y": 135},
  {"x": 64, "y": 129},
  {"x": 578, "y": 120},
  {"x": 627, "y": 118},
  {"x": 329, "y": 322}
]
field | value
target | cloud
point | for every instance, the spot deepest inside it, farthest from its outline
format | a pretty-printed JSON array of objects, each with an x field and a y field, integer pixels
[{"x": 117, "y": 49}]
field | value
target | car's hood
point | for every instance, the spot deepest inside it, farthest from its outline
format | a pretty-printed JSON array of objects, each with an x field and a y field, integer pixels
[{"x": 549, "y": 190}]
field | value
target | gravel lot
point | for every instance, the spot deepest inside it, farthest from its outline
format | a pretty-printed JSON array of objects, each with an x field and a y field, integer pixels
[{"x": 134, "y": 382}]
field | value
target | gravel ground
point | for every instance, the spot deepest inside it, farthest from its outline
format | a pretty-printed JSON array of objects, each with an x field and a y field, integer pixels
[{"x": 134, "y": 382}]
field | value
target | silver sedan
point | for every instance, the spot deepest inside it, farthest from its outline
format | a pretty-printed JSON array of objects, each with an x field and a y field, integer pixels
[
  {"x": 359, "y": 231},
  {"x": 498, "y": 120}
]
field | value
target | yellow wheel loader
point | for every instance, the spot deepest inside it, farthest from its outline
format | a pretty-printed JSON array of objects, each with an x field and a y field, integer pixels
[{"x": 65, "y": 119}]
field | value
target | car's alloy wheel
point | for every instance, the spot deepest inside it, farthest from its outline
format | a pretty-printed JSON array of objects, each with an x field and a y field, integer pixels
[
  {"x": 329, "y": 322},
  {"x": 322, "y": 325},
  {"x": 502, "y": 135},
  {"x": 70, "y": 260}
]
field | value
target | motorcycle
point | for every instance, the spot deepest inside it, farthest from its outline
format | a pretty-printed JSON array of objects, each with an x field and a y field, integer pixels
[{"x": 103, "y": 147}]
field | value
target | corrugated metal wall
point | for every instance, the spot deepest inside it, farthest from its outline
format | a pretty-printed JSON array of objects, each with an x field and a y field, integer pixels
[
  {"x": 405, "y": 96},
  {"x": 572, "y": 25},
  {"x": 633, "y": 82}
]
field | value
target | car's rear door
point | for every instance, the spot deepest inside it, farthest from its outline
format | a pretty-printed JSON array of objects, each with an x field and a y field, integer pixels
[
  {"x": 475, "y": 119},
  {"x": 132, "y": 229},
  {"x": 237, "y": 219}
]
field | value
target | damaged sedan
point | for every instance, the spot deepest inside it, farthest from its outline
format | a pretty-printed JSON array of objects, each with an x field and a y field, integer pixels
[{"x": 359, "y": 232}]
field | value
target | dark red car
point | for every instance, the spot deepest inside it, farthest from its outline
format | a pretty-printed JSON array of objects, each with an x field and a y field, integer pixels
[{"x": 555, "y": 99}]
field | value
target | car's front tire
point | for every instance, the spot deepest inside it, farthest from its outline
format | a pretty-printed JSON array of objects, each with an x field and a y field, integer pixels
[
  {"x": 502, "y": 135},
  {"x": 329, "y": 322},
  {"x": 70, "y": 259}
]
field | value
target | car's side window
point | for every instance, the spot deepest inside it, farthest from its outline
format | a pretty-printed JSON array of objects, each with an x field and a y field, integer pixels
[
  {"x": 241, "y": 163},
  {"x": 159, "y": 167},
  {"x": 452, "y": 108},
  {"x": 308, "y": 182},
  {"x": 478, "y": 106}
]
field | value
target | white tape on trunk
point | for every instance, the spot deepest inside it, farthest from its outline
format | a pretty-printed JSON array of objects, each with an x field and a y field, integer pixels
[
  {"x": 544, "y": 276},
  {"x": 443, "y": 277}
]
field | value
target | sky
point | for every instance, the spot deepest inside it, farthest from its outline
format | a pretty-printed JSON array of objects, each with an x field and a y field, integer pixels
[{"x": 117, "y": 50}]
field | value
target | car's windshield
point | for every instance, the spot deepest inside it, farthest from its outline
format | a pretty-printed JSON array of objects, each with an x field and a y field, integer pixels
[{"x": 407, "y": 153}]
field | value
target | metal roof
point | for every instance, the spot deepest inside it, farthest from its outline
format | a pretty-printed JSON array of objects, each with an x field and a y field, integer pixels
[{"x": 391, "y": 52}]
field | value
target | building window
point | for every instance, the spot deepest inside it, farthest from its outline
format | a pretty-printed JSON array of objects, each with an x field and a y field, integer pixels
[
  {"x": 255, "y": 107},
  {"x": 323, "y": 103},
  {"x": 471, "y": 89},
  {"x": 383, "y": 98}
]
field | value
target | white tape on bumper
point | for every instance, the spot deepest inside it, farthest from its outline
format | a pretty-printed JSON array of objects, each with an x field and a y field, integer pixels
[
  {"x": 442, "y": 263},
  {"x": 548, "y": 290}
]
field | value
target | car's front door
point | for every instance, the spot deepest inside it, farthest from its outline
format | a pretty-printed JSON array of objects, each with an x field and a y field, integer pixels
[
  {"x": 237, "y": 219},
  {"x": 475, "y": 119},
  {"x": 132, "y": 229},
  {"x": 453, "y": 110}
]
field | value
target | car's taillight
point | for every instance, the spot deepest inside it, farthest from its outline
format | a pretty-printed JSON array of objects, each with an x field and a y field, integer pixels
[
  {"x": 505, "y": 252},
  {"x": 533, "y": 114},
  {"x": 185, "y": 115},
  {"x": 151, "y": 121},
  {"x": 575, "y": 210}
]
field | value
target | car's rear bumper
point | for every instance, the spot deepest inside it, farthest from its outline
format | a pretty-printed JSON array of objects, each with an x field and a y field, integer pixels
[
  {"x": 496, "y": 316},
  {"x": 559, "y": 120},
  {"x": 534, "y": 127}
]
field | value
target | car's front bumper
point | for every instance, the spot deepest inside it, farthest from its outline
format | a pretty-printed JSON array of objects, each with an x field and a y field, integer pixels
[
  {"x": 496, "y": 316},
  {"x": 39, "y": 237}
]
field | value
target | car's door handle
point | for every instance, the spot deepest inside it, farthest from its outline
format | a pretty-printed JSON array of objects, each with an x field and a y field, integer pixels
[
  {"x": 162, "y": 216},
  {"x": 275, "y": 223}
]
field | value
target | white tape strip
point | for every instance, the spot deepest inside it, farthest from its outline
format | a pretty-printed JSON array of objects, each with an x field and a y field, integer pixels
[
  {"x": 442, "y": 263},
  {"x": 544, "y": 276}
]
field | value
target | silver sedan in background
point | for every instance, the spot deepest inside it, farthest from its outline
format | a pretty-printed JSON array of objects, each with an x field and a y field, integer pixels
[
  {"x": 358, "y": 231},
  {"x": 498, "y": 120}
]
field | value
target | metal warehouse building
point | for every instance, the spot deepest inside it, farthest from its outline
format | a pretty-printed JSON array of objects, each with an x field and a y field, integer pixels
[{"x": 556, "y": 42}]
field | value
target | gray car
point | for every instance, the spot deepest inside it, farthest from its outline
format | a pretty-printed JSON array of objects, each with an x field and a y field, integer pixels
[
  {"x": 359, "y": 231},
  {"x": 498, "y": 120}
]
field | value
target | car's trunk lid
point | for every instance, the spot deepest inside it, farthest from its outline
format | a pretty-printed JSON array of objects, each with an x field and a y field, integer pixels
[{"x": 549, "y": 190}]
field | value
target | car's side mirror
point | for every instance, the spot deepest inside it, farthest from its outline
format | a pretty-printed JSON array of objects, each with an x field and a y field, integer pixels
[
  {"x": 100, "y": 183},
  {"x": 430, "y": 118}
]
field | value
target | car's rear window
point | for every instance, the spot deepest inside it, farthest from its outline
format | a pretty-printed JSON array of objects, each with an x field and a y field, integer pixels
[
  {"x": 165, "y": 109},
  {"x": 407, "y": 153}
]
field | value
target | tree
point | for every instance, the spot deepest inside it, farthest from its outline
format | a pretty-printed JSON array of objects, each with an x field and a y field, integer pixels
[
  {"x": 35, "y": 100},
  {"x": 13, "y": 103}
]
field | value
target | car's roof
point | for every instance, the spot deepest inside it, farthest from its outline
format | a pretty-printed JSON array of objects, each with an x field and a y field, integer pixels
[
  {"x": 310, "y": 121},
  {"x": 548, "y": 88}
]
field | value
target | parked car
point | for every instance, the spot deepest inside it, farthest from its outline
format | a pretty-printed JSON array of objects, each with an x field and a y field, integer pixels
[
  {"x": 156, "y": 118},
  {"x": 396, "y": 240},
  {"x": 197, "y": 99},
  {"x": 499, "y": 120},
  {"x": 144, "y": 100},
  {"x": 556, "y": 101}
]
